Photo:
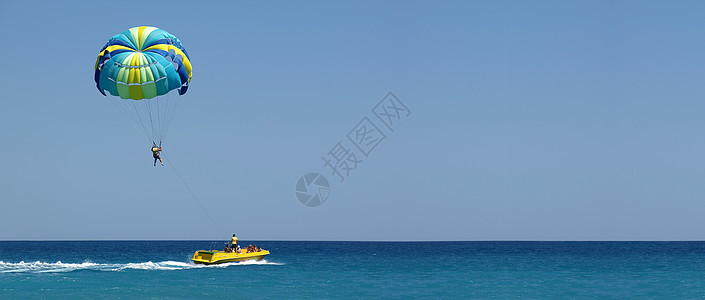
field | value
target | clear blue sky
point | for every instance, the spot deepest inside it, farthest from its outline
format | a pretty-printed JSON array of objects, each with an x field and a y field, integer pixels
[{"x": 531, "y": 120}]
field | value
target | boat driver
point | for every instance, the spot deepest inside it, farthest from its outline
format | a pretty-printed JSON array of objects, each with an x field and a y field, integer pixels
[{"x": 233, "y": 244}]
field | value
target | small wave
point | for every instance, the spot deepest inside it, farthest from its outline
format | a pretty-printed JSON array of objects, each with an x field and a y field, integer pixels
[
  {"x": 58, "y": 267},
  {"x": 246, "y": 263}
]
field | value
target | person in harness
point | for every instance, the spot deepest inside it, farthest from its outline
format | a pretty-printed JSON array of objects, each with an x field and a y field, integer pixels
[{"x": 155, "y": 154}]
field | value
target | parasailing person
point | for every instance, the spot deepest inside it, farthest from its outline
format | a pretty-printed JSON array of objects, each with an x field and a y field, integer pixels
[
  {"x": 141, "y": 66},
  {"x": 155, "y": 154}
]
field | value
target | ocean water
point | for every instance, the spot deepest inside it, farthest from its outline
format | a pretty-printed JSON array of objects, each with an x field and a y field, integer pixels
[{"x": 451, "y": 270}]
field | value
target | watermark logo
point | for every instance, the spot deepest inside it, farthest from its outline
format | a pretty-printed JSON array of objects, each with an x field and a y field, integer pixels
[
  {"x": 312, "y": 189},
  {"x": 343, "y": 158}
]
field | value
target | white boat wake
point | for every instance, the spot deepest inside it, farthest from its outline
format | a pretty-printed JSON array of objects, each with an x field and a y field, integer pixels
[{"x": 45, "y": 267}]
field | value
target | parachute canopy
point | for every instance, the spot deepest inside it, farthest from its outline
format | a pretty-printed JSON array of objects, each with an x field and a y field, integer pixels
[{"x": 142, "y": 63}]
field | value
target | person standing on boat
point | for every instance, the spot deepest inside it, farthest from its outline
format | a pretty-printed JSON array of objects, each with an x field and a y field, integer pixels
[{"x": 233, "y": 243}]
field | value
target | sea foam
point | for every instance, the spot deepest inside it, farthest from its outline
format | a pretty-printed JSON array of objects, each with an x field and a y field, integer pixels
[{"x": 47, "y": 267}]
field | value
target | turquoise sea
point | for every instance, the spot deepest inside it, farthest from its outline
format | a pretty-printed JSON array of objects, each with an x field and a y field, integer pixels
[{"x": 450, "y": 270}]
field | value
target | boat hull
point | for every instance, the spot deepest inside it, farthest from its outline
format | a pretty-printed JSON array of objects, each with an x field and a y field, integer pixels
[{"x": 207, "y": 257}]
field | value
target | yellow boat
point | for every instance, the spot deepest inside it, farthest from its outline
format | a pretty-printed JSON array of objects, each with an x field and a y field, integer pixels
[{"x": 210, "y": 257}]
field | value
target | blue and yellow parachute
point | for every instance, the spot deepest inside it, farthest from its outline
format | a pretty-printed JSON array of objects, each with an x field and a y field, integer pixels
[{"x": 144, "y": 63}]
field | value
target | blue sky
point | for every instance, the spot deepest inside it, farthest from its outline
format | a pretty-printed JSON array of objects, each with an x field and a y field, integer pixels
[{"x": 542, "y": 120}]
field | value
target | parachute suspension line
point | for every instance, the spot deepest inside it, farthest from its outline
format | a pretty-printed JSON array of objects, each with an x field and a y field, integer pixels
[
  {"x": 124, "y": 109},
  {"x": 141, "y": 122},
  {"x": 193, "y": 195},
  {"x": 172, "y": 103},
  {"x": 148, "y": 107},
  {"x": 124, "y": 112},
  {"x": 162, "y": 104},
  {"x": 159, "y": 122},
  {"x": 151, "y": 117}
]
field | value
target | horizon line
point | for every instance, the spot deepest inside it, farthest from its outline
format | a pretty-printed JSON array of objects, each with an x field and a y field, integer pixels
[{"x": 373, "y": 241}]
